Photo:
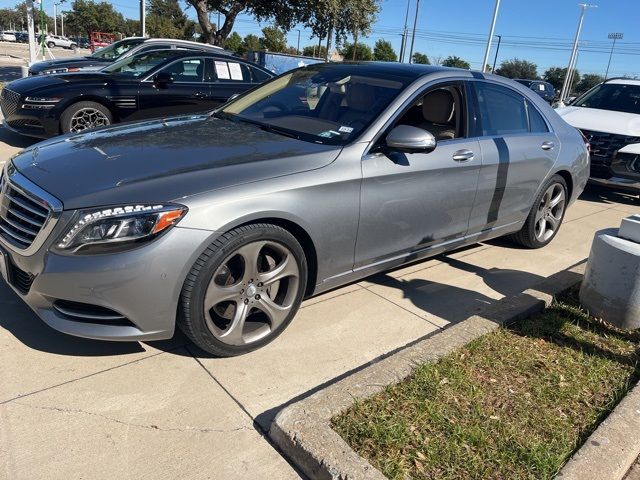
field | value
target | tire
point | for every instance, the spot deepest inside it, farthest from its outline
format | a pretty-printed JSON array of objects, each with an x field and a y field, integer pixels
[
  {"x": 224, "y": 310},
  {"x": 51, "y": 44},
  {"x": 73, "y": 47},
  {"x": 542, "y": 212},
  {"x": 73, "y": 118}
]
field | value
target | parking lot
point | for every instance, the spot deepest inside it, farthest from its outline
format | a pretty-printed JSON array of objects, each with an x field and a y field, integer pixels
[{"x": 74, "y": 408}]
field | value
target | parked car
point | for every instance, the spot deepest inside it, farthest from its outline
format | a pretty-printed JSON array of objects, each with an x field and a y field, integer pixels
[
  {"x": 544, "y": 89},
  {"x": 6, "y": 36},
  {"x": 114, "y": 52},
  {"x": 315, "y": 179},
  {"x": 22, "y": 37},
  {"x": 60, "y": 41},
  {"x": 82, "y": 42},
  {"x": 609, "y": 117},
  {"x": 148, "y": 85}
]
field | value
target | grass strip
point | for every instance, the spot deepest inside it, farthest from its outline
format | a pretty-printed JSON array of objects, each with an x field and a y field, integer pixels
[{"x": 515, "y": 403}]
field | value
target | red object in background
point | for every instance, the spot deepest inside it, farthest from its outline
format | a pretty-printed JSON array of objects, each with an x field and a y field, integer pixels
[{"x": 100, "y": 39}]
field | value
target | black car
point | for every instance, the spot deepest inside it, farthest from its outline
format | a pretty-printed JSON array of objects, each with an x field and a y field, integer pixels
[
  {"x": 544, "y": 89},
  {"x": 149, "y": 85},
  {"x": 114, "y": 52}
]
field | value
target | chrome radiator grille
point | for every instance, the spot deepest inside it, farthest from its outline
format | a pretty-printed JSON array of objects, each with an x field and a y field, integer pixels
[{"x": 9, "y": 102}]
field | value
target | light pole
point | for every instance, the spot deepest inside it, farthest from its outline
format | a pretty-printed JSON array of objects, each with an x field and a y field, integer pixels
[
  {"x": 298, "y": 47},
  {"x": 493, "y": 27},
  {"x": 62, "y": 23},
  {"x": 55, "y": 18},
  {"x": 574, "y": 52},
  {"x": 614, "y": 37},
  {"x": 403, "y": 45},
  {"x": 495, "y": 59},
  {"x": 31, "y": 32},
  {"x": 143, "y": 26},
  {"x": 413, "y": 34}
]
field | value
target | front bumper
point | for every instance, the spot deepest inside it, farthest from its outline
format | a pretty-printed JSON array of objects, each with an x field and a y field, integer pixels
[
  {"x": 617, "y": 182},
  {"x": 43, "y": 123}
]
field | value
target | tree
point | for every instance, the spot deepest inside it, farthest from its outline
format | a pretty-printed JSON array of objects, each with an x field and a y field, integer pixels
[
  {"x": 314, "y": 51},
  {"x": 455, "y": 61},
  {"x": 383, "y": 50},
  {"x": 273, "y": 39},
  {"x": 516, "y": 68},
  {"x": 87, "y": 16},
  {"x": 420, "y": 58},
  {"x": 588, "y": 81},
  {"x": 362, "y": 51},
  {"x": 321, "y": 16},
  {"x": 555, "y": 76},
  {"x": 251, "y": 42},
  {"x": 166, "y": 19},
  {"x": 233, "y": 43}
]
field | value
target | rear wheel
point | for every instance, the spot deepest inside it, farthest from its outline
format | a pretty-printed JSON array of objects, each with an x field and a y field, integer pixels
[
  {"x": 51, "y": 44},
  {"x": 85, "y": 115},
  {"x": 546, "y": 215},
  {"x": 244, "y": 290}
]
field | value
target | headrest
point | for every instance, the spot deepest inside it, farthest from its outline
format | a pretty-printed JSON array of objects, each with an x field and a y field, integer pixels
[
  {"x": 360, "y": 96},
  {"x": 437, "y": 106}
]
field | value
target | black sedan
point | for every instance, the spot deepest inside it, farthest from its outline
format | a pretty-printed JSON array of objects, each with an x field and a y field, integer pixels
[{"x": 154, "y": 84}]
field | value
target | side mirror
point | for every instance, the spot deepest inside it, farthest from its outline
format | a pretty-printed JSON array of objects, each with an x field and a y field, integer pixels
[
  {"x": 408, "y": 139},
  {"x": 162, "y": 79}
]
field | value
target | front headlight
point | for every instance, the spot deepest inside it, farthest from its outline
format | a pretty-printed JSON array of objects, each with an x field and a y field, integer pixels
[{"x": 118, "y": 225}]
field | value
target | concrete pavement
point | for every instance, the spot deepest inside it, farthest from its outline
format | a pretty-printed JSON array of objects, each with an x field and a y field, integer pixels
[{"x": 74, "y": 408}]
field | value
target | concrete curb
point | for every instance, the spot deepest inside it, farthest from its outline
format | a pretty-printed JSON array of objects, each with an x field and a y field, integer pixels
[
  {"x": 303, "y": 430},
  {"x": 611, "y": 450}
]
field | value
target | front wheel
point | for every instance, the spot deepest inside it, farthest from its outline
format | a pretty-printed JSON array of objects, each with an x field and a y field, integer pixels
[
  {"x": 51, "y": 44},
  {"x": 83, "y": 116},
  {"x": 546, "y": 215},
  {"x": 244, "y": 290}
]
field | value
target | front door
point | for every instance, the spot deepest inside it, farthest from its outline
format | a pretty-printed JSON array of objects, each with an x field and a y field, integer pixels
[{"x": 413, "y": 203}]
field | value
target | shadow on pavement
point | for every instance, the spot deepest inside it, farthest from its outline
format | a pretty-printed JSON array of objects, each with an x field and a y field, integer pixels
[
  {"x": 18, "y": 319},
  {"x": 608, "y": 195}
]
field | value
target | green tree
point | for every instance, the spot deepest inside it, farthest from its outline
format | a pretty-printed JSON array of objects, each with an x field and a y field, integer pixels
[
  {"x": 166, "y": 19},
  {"x": 421, "y": 58},
  {"x": 588, "y": 81},
  {"x": 555, "y": 76},
  {"x": 383, "y": 50},
  {"x": 251, "y": 42},
  {"x": 340, "y": 16},
  {"x": 455, "y": 61},
  {"x": 233, "y": 43},
  {"x": 516, "y": 68},
  {"x": 362, "y": 51},
  {"x": 314, "y": 51},
  {"x": 87, "y": 16},
  {"x": 273, "y": 39}
]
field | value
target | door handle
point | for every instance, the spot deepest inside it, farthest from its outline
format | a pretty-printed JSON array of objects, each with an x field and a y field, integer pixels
[
  {"x": 199, "y": 95},
  {"x": 463, "y": 155},
  {"x": 547, "y": 145}
]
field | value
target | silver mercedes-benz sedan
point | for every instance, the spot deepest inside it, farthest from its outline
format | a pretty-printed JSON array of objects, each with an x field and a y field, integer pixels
[{"x": 223, "y": 223}]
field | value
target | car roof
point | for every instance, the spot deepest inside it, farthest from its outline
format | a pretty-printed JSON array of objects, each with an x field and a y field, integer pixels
[
  {"x": 210, "y": 54},
  {"x": 623, "y": 81},
  {"x": 182, "y": 42},
  {"x": 406, "y": 70}
]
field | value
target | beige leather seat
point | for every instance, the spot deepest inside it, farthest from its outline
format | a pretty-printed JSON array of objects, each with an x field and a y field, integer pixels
[
  {"x": 359, "y": 98},
  {"x": 438, "y": 110}
]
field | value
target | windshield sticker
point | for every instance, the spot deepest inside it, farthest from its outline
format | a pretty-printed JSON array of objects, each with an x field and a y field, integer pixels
[
  {"x": 222, "y": 71},
  {"x": 329, "y": 134},
  {"x": 236, "y": 71},
  {"x": 344, "y": 129}
]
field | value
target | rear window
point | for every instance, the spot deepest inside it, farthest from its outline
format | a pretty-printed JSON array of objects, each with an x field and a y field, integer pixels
[{"x": 611, "y": 96}]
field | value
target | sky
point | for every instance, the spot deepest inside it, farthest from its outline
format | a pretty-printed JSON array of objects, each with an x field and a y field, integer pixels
[{"x": 541, "y": 31}]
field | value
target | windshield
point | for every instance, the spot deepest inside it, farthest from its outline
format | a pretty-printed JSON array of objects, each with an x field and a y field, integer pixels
[
  {"x": 612, "y": 96},
  {"x": 319, "y": 103},
  {"x": 113, "y": 51},
  {"x": 138, "y": 65}
]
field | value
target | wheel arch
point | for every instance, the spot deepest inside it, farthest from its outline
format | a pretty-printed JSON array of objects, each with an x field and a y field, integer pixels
[
  {"x": 566, "y": 175},
  {"x": 90, "y": 98}
]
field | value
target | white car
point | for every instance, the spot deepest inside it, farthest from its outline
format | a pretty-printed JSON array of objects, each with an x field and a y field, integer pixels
[
  {"x": 7, "y": 37},
  {"x": 609, "y": 117},
  {"x": 60, "y": 41}
]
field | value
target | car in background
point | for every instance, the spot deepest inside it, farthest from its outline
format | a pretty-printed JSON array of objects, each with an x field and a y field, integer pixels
[
  {"x": 7, "y": 36},
  {"x": 116, "y": 51},
  {"x": 60, "y": 41},
  {"x": 82, "y": 42},
  {"x": 222, "y": 223},
  {"x": 155, "y": 84},
  {"x": 544, "y": 89},
  {"x": 609, "y": 117}
]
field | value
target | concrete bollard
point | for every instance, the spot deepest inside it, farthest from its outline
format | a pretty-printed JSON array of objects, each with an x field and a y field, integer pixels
[
  {"x": 611, "y": 286},
  {"x": 24, "y": 71}
]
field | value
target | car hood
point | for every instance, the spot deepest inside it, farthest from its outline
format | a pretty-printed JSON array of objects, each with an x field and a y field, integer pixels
[
  {"x": 74, "y": 62},
  {"x": 34, "y": 83},
  {"x": 607, "y": 121},
  {"x": 163, "y": 160}
]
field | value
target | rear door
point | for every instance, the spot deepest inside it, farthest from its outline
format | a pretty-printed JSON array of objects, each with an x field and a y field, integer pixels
[
  {"x": 230, "y": 78},
  {"x": 518, "y": 150}
]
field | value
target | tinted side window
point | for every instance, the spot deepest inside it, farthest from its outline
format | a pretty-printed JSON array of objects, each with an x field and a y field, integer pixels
[
  {"x": 258, "y": 75},
  {"x": 502, "y": 111},
  {"x": 231, "y": 71},
  {"x": 189, "y": 70},
  {"x": 536, "y": 122}
]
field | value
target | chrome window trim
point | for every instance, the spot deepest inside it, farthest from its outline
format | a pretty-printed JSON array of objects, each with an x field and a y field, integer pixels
[{"x": 26, "y": 187}]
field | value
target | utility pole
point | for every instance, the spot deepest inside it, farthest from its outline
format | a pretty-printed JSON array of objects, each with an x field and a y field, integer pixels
[
  {"x": 495, "y": 59},
  {"x": 31, "y": 32},
  {"x": 403, "y": 45},
  {"x": 143, "y": 26},
  {"x": 62, "y": 22},
  {"x": 574, "y": 52},
  {"x": 413, "y": 34},
  {"x": 298, "y": 47},
  {"x": 491, "y": 30},
  {"x": 614, "y": 37},
  {"x": 55, "y": 18}
]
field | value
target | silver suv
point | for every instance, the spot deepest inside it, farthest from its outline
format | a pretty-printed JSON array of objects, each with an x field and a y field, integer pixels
[{"x": 60, "y": 41}]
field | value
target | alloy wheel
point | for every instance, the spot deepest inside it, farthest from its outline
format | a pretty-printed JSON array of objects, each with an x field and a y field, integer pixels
[
  {"x": 86, "y": 118},
  {"x": 252, "y": 293},
  {"x": 550, "y": 212}
]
